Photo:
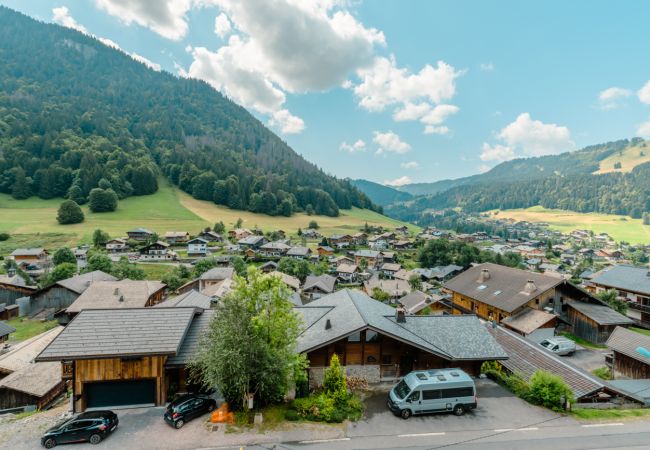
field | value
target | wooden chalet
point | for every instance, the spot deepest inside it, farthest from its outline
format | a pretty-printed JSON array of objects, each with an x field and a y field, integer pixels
[
  {"x": 13, "y": 287},
  {"x": 177, "y": 237},
  {"x": 140, "y": 234},
  {"x": 630, "y": 353}
]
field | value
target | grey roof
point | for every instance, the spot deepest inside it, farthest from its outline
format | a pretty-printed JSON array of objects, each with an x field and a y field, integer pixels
[
  {"x": 275, "y": 245},
  {"x": 638, "y": 390},
  {"x": 298, "y": 251},
  {"x": 348, "y": 311},
  {"x": 602, "y": 315},
  {"x": 627, "y": 342},
  {"x": 14, "y": 280},
  {"x": 325, "y": 283},
  {"x": 6, "y": 329},
  {"x": 27, "y": 252},
  {"x": 110, "y": 333},
  {"x": 367, "y": 254},
  {"x": 191, "y": 298},
  {"x": 528, "y": 320},
  {"x": 416, "y": 301},
  {"x": 80, "y": 283},
  {"x": 140, "y": 230},
  {"x": 253, "y": 239},
  {"x": 218, "y": 273},
  {"x": 116, "y": 294},
  {"x": 624, "y": 277},
  {"x": 190, "y": 346},
  {"x": 526, "y": 357},
  {"x": 504, "y": 289},
  {"x": 35, "y": 379}
]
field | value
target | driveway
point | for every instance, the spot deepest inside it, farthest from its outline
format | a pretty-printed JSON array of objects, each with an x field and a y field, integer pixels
[{"x": 587, "y": 359}]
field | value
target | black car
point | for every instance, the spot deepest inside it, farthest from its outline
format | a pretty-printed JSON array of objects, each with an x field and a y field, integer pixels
[
  {"x": 89, "y": 426},
  {"x": 188, "y": 407}
]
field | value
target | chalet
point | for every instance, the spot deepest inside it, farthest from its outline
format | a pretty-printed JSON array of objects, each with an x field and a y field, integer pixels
[
  {"x": 347, "y": 273},
  {"x": 534, "y": 324},
  {"x": 632, "y": 284},
  {"x": 239, "y": 233},
  {"x": 418, "y": 302},
  {"x": 292, "y": 282},
  {"x": 275, "y": 249},
  {"x": 318, "y": 286},
  {"x": 118, "y": 295},
  {"x": 381, "y": 343},
  {"x": 177, "y": 237},
  {"x": 439, "y": 273},
  {"x": 401, "y": 244},
  {"x": 386, "y": 256},
  {"x": 251, "y": 253},
  {"x": 5, "y": 331},
  {"x": 157, "y": 251},
  {"x": 252, "y": 241},
  {"x": 402, "y": 229},
  {"x": 299, "y": 252},
  {"x": 630, "y": 353},
  {"x": 390, "y": 269},
  {"x": 128, "y": 356},
  {"x": 394, "y": 288},
  {"x": 324, "y": 250},
  {"x": 372, "y": 258},
  {"x": 595, "y": 322},
  {"x": 310, "y": 233},
  {"x": 117, "y": 245},
  {"x": 215, "y": 276},
  {"x": 30, "y": 255},
  {"x": 24, "y": 382},
  {"x": 269, "y": 266},
  {"x": 13, "y": 287},
  {"x": 378, "y": 244},
  {"x": 342, "y": 260},
  {"x": 359, "y": 239},
  {"x": 197, "y": 247},
  {"x": 140, "y": 234},
  {"x": 219, "y": 290},
  {"x": 63, "y": 293},
  {"x": 81, "y": 254},
  {"x": 210, "y": 236},
  {"x": 340, "y": 240}
]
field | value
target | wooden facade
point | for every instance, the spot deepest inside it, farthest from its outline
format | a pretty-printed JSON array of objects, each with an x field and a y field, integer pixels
[
  {"x": 116, "y": 369},
  {"x": 630, "y": 367},
  {"x": 587, "y": 328},
  {"x": 10, "y": 398},
  {"x": 463, "y": 304},
  {"x": 9, "y": 293}
]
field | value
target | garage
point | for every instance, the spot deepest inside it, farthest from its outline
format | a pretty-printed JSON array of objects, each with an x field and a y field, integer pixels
[{"x": 120, "y": 393}]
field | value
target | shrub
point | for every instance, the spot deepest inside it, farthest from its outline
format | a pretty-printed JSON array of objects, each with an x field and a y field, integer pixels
[
  {"x": 516, "y": 384},
  {"x": 102, "y": 200},
  {"x": 69, "y": 213},
  {"x": 322, "y": 408},
  {"x": 547, "y": 389},
  {"x": 4, "y": 236},
  {"x": 291, "y": 415},
  {"x": 64, "y": 255},
  {"x": 334, "y": 382},
  {"x": 603, "y": 373}
]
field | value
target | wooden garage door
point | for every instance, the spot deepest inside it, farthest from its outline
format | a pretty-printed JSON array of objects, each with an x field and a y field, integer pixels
[{"x": 120, "y": 393}]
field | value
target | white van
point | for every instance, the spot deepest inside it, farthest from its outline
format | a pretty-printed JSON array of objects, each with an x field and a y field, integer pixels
[
  {"x": 429, "y": 391},
  {"x": 559, "y": 345}
]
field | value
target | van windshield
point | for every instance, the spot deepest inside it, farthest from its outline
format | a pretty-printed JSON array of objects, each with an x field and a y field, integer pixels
[
  {"x": 546, "y": 344},
  {"x": 401, "y": 390}
]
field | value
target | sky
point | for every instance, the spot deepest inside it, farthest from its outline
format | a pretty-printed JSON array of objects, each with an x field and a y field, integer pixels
[{"x": 398, "y": 91}]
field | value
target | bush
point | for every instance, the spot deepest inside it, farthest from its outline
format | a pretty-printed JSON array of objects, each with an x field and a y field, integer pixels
[
  {"x": 64, "y": 255},
  {"x": 102, "y": 200},
  {"x": 291, "y": 415},
  {"x": 548, "y": 390},
  {"x": 334, "y": 381},
  {"x": 322, "y": 408},
  {"x": 603, "y": 373},
  {"x": 4, "y": 236},
  {"x": 69, "y": 213}
]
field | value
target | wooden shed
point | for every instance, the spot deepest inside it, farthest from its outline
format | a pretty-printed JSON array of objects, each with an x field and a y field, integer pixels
[
  {"x": 594, "y": 322},
  {"x": 630, "y": 353}
]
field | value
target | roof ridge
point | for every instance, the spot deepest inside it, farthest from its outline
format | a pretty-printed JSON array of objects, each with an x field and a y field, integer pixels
[
  {"x": 354, "y": 302},
  {"x": 444, "y": 352}
]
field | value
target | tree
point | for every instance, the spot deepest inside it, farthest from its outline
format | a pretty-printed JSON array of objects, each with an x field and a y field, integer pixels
[
  {"x": 100, "y": 238},
  {"x": 646, "y": 218},
  {"x": 64, "y": 255},
  {"x": 69, "y": 213},
  {"x": 76, "y": 195},
  {"x": 21, "y": 188},
  {"x": 379, "y": 294},
  {"x": 219, "y": 227},
  {"x": 250, "y": 348},
  {"x": 123, "y": 269},
  {"x": 99, "y": 261},
  {"x": 203, "y": 265},
  {"x": 102, "y": 200},
  {"x": 334, "y": 381},
  {"x": 239, "y": 223},
  {"x": 415, "y": 282},
  {"x": 611, "y": 298},
  {"x": 548, "y": 390},
  {"x": 239, "y": 265},
  {"x": 60, "y": 272},
  {"x": 313, "y": 225}
]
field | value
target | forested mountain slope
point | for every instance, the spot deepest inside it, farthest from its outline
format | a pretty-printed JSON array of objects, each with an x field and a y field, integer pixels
[
  {"x": 74, "y": 112},
  {"x": 380, "y": 194}
]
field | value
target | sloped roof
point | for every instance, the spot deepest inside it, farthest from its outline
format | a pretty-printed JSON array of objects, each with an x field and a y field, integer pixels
[
  {"x": 367, "y": 253},
  {"x": 504, "y": 289},
  {"x": 80, "y": 283},
  {"x": 416, "y": 301},
  {"x": 289, "y": 280},
  {"x": 525, "y": 357},
  {"x": 324, "y": 283},
  {"x": 190, "y": 346},
  {"x": 602, "y": 315},
  {"x": 624, "y": 277},
  {"x": 220, "y": 289},
  {"x": 251, "y": 240},
  {"x": 396, "y": 288},
  {"x": 218, "y": 273},
  {"x": 15, "y": 280},
  {"x": 346, "y": 268},
  {"x": 391, "y": 267},
  {"x": 109, "y": 333},
  {"x": 116, "y": 294},
  {"x": 627, "y": 342},
  {"x": 27, "y": 252},
  {"x": 6, "y": 329},
  {"x": 35, "y": 379},
  {"x": 349, "y": 311},
  {"x": 298, "y": 251},
  {"x": 528, "y": 320},
  {"x": 22, "y": 354},
  {"x": 275, "y": 245},
  {"x": 191, "y": 298}
]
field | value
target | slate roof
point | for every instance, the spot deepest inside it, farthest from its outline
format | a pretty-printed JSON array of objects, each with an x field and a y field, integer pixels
[
  {"x": 525, "y": 357},
  {"x": 299, "y": 251},
  {"x": 391, "y": 267},
  {"x": 22, "y": 354},
  {"x": 27, "y": 252},
  {"x": 15, "y": 280},
  {"x": 505, "y": 287},
  {"x": 627, "y": 342},
  {"x": 638, "y": 390},
  {"x": 396, "y": 288},
  {"x": 116, "y": 294},
  {"x": 367, "y": 254},
  {"x": 111, "y": 333},
  {"x": 416, "y": 301},
  {"x": 80, "y": 283},
  {"x": 346, "y": 268},
  {"x": 602, "y": 315},
  {"x": 624, "y": 277},
  {"x": 218, "y": 273},
  {"x": 528, "y": 320},
  {"x": 191, "y": 298},
  {"x": 6, "y": 329},
  {"x": 292, "y": 282},
  {"x": 190, "y": 346},
  {"x": 276, "y": 245},
  {"x": 324, "y": 283},
  {"x": 253, "y": 239},
  {"x": 348, "y": 311}
]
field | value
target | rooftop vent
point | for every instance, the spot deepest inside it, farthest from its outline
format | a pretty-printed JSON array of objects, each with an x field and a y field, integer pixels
[
  {"x": 328, "y": 324},
  {"x": 400, "y": 314},
  {"x": 484, "y": 276},
  {"x": 121, "y": 298},
  {"x": 530, "y": 287},
  {"x": 116, "y": 291}
]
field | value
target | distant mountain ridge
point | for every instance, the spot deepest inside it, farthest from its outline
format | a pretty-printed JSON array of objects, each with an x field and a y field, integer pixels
[{"x": 380, "y": 194}]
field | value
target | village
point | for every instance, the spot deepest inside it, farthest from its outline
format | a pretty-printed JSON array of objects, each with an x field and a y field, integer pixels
[{"x": 383, "y": 312}]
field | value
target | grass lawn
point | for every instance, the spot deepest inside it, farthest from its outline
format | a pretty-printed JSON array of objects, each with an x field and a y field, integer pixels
[
  {"x": 598, "y": 414},
  {"x": 581, "y": 341},
  {"x": 154, "y": 271},
  {"x": 32, "y": 222},
  {"x": 27, "y": 328},
  {"x": 621, "y": 228},
  {"x": 641, "y": 330},
  {"x": 630, "y": 158}
]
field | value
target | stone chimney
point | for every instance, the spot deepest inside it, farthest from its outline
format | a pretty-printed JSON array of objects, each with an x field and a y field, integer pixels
[
  {"x": 484, "y": 276},
  {"x": 11, "y": 271},
  {"x": 400, "y": 314},
  {"x": 116, "y": 291},
  {"x": 530, "y": 287},
  {"x": 328, "y": 324}
]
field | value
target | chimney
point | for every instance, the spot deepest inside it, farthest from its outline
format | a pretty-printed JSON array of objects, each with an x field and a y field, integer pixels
[
  {"x": 11, "y": 271},
  {"x": 484, "y": 276},
  {"x": 116, "y": 291},
  {"x": 328, "y": 324},
  {"x": 530, "y": 287},
  {"x": 121, "y": 298},
  {"x": 400, "y": 314}
]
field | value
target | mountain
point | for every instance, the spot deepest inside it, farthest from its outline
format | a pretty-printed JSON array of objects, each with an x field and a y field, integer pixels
[
  {"x": 610, "y": 178},
  {"x": 76, "y": 115},
  {"x": 380, "y": 194}
]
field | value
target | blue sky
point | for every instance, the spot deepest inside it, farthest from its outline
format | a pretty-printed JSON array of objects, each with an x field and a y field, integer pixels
[{"x": 399, "y": 91}]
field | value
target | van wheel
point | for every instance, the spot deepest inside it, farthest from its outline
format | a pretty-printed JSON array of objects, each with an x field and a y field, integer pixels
[
  {"x": 459, "y": 410},
  {"x": 406, "y": 413},
  {"x": 95, "y": 439},
  {"x": 50, "y": 443}
]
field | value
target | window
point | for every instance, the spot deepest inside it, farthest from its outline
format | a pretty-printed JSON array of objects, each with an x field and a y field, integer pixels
[
  {"x": 372, "y": 336},
  {"x": 414, "y": 397},
  {"x": 457, "y": 392},
  {"x": 355, "y": 337},
  {"x": 431, "y": 395},
  {"x": 401, "y": 389},
  {"x": 79, "y": 425}
]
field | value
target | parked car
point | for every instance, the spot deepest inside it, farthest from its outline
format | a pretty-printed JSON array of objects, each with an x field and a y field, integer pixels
[
  {"x": 188, "y": 407},
  {"x": 90, "y": 427},
  {"x": 430, "y": 391},
  {"x": 559, "y": 345}
]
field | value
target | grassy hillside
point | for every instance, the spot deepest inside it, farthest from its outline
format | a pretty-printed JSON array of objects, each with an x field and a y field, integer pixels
[
  {"x": 33, "y": 222},
  {"x": 621, "y": 228},
  {"x": 629, "y": 158}
]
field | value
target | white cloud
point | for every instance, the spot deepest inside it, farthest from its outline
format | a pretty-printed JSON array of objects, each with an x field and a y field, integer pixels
[
  {"x": 390, "y": 142},
  {"x": 644, "y": 93},
  {"x": 644, "y": 130},
  {"x": 430, "y": 129},
  {"x": 222, "y": 26},
  {"x": 439, "y": 114},
  {"x": 496, "y": 152},
  {"x": 287, "y": 122},
  {"x": 147, "y": 62},
  {"x": 410, "y": 165},
  {"x": 61, "y": 15},
  {"x": 486, "y": 67},
  {"x": 609, "y": 98},
  {"x": 358, "y": 146},
  {"x": 165, "y": 17},
  {"x": 401, "y": 181},
  {"x": 411, "y": 111}
]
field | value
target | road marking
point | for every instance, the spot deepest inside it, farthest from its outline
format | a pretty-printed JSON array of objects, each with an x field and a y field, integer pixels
[
  {"x": 318, "y": 441},
  {"x": 420, "y": 435},
  {"x": 504, "y": 430},
  {"x": 597, "y": 425}
]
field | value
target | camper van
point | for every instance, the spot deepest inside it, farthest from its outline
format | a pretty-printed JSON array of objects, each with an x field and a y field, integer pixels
[
  {"x": 559, "y": 345},
  {"x": 431, "y": 391}
]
